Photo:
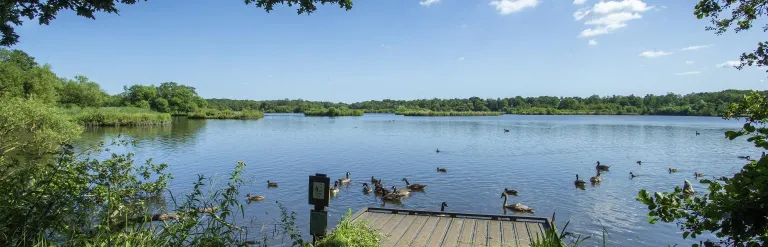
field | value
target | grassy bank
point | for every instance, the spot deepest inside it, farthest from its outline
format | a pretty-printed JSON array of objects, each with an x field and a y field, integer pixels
[
  {"x": 450, "y": 113},
  {"x": 225, "y": 114},
  {"x": 332, "y": 112},
  {"x": 117, "y": 116}
]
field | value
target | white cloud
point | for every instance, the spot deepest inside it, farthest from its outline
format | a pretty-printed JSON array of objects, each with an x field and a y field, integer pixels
[
  {"x": 592, "y": 42},
  {"x": 696, "y": 47},
  {"x": 617, "y": 6},
  {"x": 729, "y": 64},
  {"x": 463, "y": 26},
  {"x": 689, "y": 73},
  {"x": 269, "y": 76},
  {"x": 652, "y": 54},
  {"x": 610, "y": 16},
  {"x": 386, "y": 46},
  {"x": 461, "y": 59},
  {"x": 506, "y": 7},
  {"x": 579, "y": 2},
  {"x": 761, "y": 80},
  {"x": 426, "y": 3},
  {"x": 689, "y": 62}
]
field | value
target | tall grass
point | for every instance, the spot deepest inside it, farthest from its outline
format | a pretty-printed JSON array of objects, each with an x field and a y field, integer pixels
[
  {"x": 449, "y": 113},
  {"x": 332, "y": 112},
  {"x": 348, "y": 233},
  {"x": 117, "y": 116},
  {"x": 206, "y": 113},
  {"x": 552, "y": 238}
]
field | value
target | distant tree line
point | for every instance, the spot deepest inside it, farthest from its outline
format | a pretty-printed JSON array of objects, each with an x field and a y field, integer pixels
[{"x": 694, "y": 104}]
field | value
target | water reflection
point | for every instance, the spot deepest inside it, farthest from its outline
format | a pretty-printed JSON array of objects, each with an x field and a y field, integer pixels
[{"x": 183, "y": 131}]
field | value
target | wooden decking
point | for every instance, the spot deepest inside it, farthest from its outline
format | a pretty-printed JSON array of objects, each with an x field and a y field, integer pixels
[{"x": 425, "y": 228}]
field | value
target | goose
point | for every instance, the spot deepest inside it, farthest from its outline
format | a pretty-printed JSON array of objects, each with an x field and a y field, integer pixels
[
  {"x": 506, "y": 130},
  {"x": 441, "y": 169},
  {"x": 698, "y": 174},
  {"x": 639, "y": 162},
  {"x": 632, "y": 175},
  {"x": 600, "y": 167},
  {"x": 367, "y": 189},
  {"x": 697, "y": 132},
  {"x": 745, "y": 157},
  {"x": 402, "y": 192},
  {"x": 345, "y": 180},
  {"x": 672, "y": 170},
  {"x": 271, "y": 184},
  {"x": 413, "y": 186},
  {"x": 517, "y": 206},
  {"x": 578, "y": 181},
  {"x": 379, "y": 190},
  {"x": 393, "y": 197},
  {"x": 510, "y": 192},
  {"x": 443, "y": 206},
  {"x": 437, "y": 150},
  {"x": 335, "y": 188},
  {"x": 254, "y": 198},
  {"x": 596, "y": 179},
  {"x": 374, "y": 180},
  {"x": 688, "y": 188}
]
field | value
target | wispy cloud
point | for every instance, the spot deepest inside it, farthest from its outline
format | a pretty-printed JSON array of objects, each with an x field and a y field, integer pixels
[
  {"x": 427, "y": 3},
  {"x": 506, "y": 7},
  {"x": 696, "y": 47},
  {"x": 579, "y": 2},
  {"x": 592, "y": 42},
  {"x": 386, "y": 46},
  {"x": 463, "y": 26},
  {"x": 610, "y": 16},
  {"x": 460, "y": 59},
  {"x": 653, "y": 54},
  {"x": 688, "y": 73},
  {"x": 729, "y": 64},
  {"x": 689, "y": 62}
]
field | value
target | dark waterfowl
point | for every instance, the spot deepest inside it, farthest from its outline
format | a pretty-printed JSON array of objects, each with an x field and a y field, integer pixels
[
  {"x": 404, "y": 192},
  {"x": 335, "y": 189},
  {"x": 254, "y": 198},
  {"x": 510, "y": 192},
  {"x": 632, "y": 175},
  {"x": 688, "y": 188},
  {"x": 345, "y": 180},
  {"x": 745, "y": 157},
  {"x": 271, "y": 184},
  {"x": 600, "y": 167},
  {"x": 413, "y": 186},
  {"x": 443, "y": 206},
  {"x": 697, "y": 132},
  {"x": 698, "y": 175},
  {"x": 441, "y": 169},
  {"x": 578, "y": 181},
  {"x": 517, "y": 206},
  {"x": 596, "y": 179},
  {"x": 437, "y": 151},
  {"x": 672, "y": 170},
  {"x": 367, "y": 189},
  {"x": 639, "y": 162},
  {"x": 506, "y": 130}
]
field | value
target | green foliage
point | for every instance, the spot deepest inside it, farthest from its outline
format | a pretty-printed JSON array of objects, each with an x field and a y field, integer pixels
[
  {"x": 13, "y": 12},
  {"x": 332, "y": 112},
  {"x": 552, "y": 238},
  {"x": 225, "y": 114},
  {"x": 169, "y": 97},
  {"x": 734, "y": 207},
  {"x": 117, "y": 116},
  {"x": 30, "y": 126},
  {"x": 348, "y": 233},
  {"x": 22, "y": 77},
  {"x": 743, "y": 14},
  {"x": 272, "y": 106},
  {"x": 81, "y": 92},
  {"x": 449, "y": 113}
]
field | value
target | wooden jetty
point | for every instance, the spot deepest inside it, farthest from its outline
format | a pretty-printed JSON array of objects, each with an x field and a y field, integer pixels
[{"x": 402, "y": 227}]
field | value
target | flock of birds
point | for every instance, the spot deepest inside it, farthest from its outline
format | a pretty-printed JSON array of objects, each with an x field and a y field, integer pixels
[{"x": 395, "y": 195}]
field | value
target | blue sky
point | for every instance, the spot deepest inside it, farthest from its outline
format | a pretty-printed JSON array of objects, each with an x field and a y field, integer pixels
[{"x": 400, "y": 49}]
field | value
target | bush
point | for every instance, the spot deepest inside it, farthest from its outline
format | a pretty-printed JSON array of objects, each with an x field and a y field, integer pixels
[
  {"x": 33, "y": 127},
  {"x": 332, "y": 112},
  {"x": 348, "y": 233},
  {"x": 207, "y": 113},
  {"x": 117, "y": 116},
  {"x": 450, "y": 113}
]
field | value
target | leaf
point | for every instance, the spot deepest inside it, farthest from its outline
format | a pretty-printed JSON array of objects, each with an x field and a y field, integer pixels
[{"x": 685, "y": 235}]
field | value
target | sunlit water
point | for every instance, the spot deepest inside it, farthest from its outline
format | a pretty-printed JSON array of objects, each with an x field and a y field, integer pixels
[{"x": 539, "y": 157}]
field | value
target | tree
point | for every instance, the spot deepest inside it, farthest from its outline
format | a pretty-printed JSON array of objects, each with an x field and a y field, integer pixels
[
  {"x": 742, "y": 15},
  {"x": 22, "y": 77},
  {"x": 12, "y": 12},
  {"x": 29, "y": 126},
  {"x": 81, "y": 92}
]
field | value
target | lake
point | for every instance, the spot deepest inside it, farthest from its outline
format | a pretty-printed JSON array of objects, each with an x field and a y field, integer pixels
[{"x": 539, "y": 157}]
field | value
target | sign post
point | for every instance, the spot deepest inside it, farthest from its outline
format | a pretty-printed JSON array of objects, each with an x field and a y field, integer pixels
[{"x": 320, "y": 196}]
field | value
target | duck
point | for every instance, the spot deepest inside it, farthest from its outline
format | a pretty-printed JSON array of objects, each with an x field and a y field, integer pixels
[
  {"x": 639, "y": 163},
  {"x": 413, "y": 186},
  {"x": 367, "y": 189},
  {"x": 697, "y": 132},
  {"x": 632, "y": 175},
  {"x": 506, "y": 130},
  {"x": 441, "y": 169},
  {"x": 510, "y": 192},
  {"x": 672, "y": 170},
  {"x": 437, "y": 150},
  {"x": 596, "y": 179},
  {"x": 345, "y": 180},
  {"x": 254, "y": 198},
  {"x": 375, "y": 181},
  {"x": 600, "y": 167},
  {"x": 443, "y": 206},
  {"x": 335, "y": 189},
  {"x": 578, "y": 181},
  {"x": 698, "y": 174},
  {"x": 392, "y": 197},
  {"x": 745, "y": 157},
  {"x": 271, "y": 184},
  {"x": 402, "y": 192},
  {"x": 688, "y": 188},
  {"x": 517, "y": 206}
]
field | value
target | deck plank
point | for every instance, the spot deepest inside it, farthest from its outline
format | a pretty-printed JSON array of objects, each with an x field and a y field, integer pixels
[
  {"x": 391, "y": 224},
  {"x": 494, "y": 233},
  {"x": 367, "y": 217},
  {"x": 412, "y": 230},
  {"x": 453, "y": 233},
  {"x": 523, "y": 239},
  {"x": 535, "y": 230},
  {"x": 425, "y": 232},
  {"x": 398, "y": 231},
  {"x": 509, "y": 239},
  {"x": 439, "y": 232},
  {"x": 481, "y": 233},
  {"x": 379, "y": 222},
  {"x": 467, "y": 230}
]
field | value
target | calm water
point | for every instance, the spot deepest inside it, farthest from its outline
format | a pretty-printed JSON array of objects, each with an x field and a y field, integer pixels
[{"x": 539, "y": 157}]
